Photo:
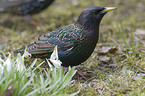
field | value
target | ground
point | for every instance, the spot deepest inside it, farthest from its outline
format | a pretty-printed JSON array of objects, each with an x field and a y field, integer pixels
[{"x": 117, "y": 65}]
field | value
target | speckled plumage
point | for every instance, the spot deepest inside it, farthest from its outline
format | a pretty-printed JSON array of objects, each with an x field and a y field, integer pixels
[
  {"x": 24, "y": 7},
  {"x": 75, "y": 42}
]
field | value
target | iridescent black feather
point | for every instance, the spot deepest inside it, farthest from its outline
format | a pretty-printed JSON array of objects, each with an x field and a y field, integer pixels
[
  {"x": 75, "y": 42},
  {"x": 24, "y": 7}
]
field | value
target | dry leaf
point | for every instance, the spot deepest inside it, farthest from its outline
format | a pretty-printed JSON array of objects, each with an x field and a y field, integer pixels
[{"x": 139, "y": 32}]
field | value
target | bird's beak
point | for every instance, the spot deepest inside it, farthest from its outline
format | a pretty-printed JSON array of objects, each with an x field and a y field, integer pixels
[{"x": 110, "y": 8}]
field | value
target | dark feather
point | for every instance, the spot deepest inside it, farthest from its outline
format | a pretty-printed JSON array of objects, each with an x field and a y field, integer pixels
[
  {"x": 24, "y": 7},
  {"x": 75, "y": 42}
]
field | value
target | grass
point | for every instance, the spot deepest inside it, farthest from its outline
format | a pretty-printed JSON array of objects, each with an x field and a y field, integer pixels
[
  {"x": 128, "y": 77},
  {"x": 122, "y": 74},
  {"x": 17, "y": 80}
]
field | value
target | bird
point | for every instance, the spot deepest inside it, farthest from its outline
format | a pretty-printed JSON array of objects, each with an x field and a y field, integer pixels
[
  {"x": 24, "y": 7},
  {"x": 76, "y": 42}
]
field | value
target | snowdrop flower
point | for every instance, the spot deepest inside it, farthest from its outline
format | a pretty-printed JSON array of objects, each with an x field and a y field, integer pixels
[
  {"x": 26, "y": 54},
  {"x": 1, "y": 70},
  {"x": 20, "y": 60},
  {"x": 20, "y": 63},
  {"x": 1, "y": 66},
  {"x": 54, "y": 58},
  {"x": 8, "y": 63}
]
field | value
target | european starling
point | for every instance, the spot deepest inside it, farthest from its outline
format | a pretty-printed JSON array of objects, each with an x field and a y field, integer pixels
[
  {"x": 24, "y": 7},
  {"x": 75, "y": 42}
]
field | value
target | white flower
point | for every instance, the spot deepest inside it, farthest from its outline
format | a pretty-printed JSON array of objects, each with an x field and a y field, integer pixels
[
  {"x": 20, "y": 63},
  {"x": 8, "y": 63},
  {"x": 1, "y": 70},
  {"x": 26, "y": 53},
  {"x": 56, "y": 63},
  {"x": 54, "y": 58},
  {"x": 20, "y": 60}
]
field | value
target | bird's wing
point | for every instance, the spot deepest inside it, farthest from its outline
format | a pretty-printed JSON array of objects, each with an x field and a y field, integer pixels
[{"x": 63, "y": 37}]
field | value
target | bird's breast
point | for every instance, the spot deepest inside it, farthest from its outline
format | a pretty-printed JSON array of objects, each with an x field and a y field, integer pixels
[{"x": 79, "y": 53}]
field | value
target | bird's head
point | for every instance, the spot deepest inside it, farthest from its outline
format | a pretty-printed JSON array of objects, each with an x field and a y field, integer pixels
[{"x": 93, "y": 15}]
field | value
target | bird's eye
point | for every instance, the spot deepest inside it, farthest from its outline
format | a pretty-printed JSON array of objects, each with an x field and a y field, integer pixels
[{"x": 95, "y": 12}]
